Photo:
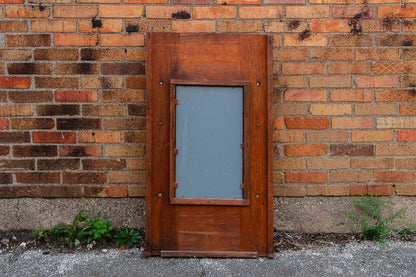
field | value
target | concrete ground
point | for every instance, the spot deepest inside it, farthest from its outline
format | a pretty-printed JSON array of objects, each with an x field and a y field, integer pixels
[{"x": 355, "y": 259}]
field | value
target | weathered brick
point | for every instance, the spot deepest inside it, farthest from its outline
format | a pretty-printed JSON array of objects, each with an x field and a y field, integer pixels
[
  {"x": 352, "y": 123},
  {"x": 149, "y": 25},
  {"x": 18, "y": 191},
  {"x": 327, "y": 136},
  {"x": 6, "y": 178},
  {"x": 395, "y": 149},
  {"x": 358, "y": 189},
  {"x": 78, "y": 123},
  {"x": 56, "y": 82},
  {"x": 100, "y": 82},
  {"x": 282, "y": 54},
  {"x": 84, "y": 177},
  {"x": 306, "y": 150},
  {"x": 4, "y": 150},
  {"x": 395, "y": 176},
  {"x": 15, "y": 54},
  {"x": 202, "y": 26},
  {"x": 91, "y": 54},
  {"x": 285, "y": 26},
  {"x": 76, "y": 68},
  {"x": 351, "y": 96},
  {"x": 32, "y": 123},
  {"x": 350, "y": 176},
  {"x": 127, "y": 11},
  {"x": 100, "y": 26},
  {"x": 16, "y": 165},
  {"x": 396, "y": 122},
  {"x": 396, "y": 11},
  {"x": 56, "y": 54},
  {"x": 137, "y": 164},
  {"x": 395, "y": 96},
  {"x": 332, "y": 54},
  {"x": 30, "y": 96},
  {"x": 306, "y": 177},
  {"x": 13, "y": 26},
  {"x": 289, "y": 109},
  {"x": 54, "y": 137},
  {"x": 4, "y": 124},
  {"x": 136, "y": 55},
  {"x": 32, "y": 11},
  {"x": 394, "y": 68},
  {"x": 136, "y": 82},
  {"x": 288, "y": 136},
  {"x": 303, "y": 68},
  {"x": 76, "y": 96},
  {"x": 327, "y": 190},
  {"x": 75, "y": 40},
  {"x": 350, "y": 40},
  {"x": 136, "y": 110},
  {"x": 99, "y": 137},
  {"x": 137, "y": 190},
  {"x": 124, "y": 124},
  {"x": 239, "y": 26},
  {"x": 218, "y": 12},
  {"x": 124, "y": 150},
  {"x": 364, "y": 54},
  {"x": 349, "y": 68},
  {"x": 408, "y": 54},
  {"x": 372, "y": 163},
  {"x": 330, "y": 109},
  {"x": 124, "y": 96},
  {"x": 134, "y": 137},
  {"x": 352, "y": 11},
  {"x": 126, "y": 177},
  {"x": 376, "y": 109},
  {"x": 328, "y": 163},
  {"x": 27, "y": 40},
  {"x": 101, "y": 164},
  {"x": 290, "y": 82},
  {"x": 352, "y": 150},
  {"x": 330, "y": 26},
  {"x": 122, "y": 40},
  {"x": 58, "y": 164},
  {"x": 408, "y": 81},
  {"x": 261, "y": 12},
  {"x": 406, "y": 190},
  {"x": 38, "y": 177},
  {"x": 59, "y": 191},
  {"x": 52, "y": 110},
  {"x": 80, "y": 151},
  {"x": 405, "y": 163},
  {"x": 307, "y": 11},
  {"x": 35, "y": 151},
  {"x": 307, "y": 122},
  {"x": 278, "y": 124},
  {"x": 54, "y": 26},
  {"x": 105, "y": 191},
  {"x": 330, "y": 81},
  {"x": 16, "y": 110},
  {"x": 103, "y": 110},
  {"x": 195, "y": 2},
  {"x": 130, "y": 68},
  {"x": 75, "y": 11},
  {"x": 289, "y": 190},
  {"x": 395, "y": 40},
  {"x": 305, "y": 39},
  {"x": 14, "y": 82},
  {"x": 288, "y": 164},
  {"x": 372, "y": 136},
  {"x": 176, "y": 12}
]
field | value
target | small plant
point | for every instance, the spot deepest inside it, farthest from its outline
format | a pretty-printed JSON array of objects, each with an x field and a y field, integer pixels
[
  {"x": 98, "y": 229},
  {"x": 376, "y": 217},
  {"x": 127, "y": 236}
]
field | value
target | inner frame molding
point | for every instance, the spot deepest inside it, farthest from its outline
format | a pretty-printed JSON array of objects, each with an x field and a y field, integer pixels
[{"x": 244, "y": 144}]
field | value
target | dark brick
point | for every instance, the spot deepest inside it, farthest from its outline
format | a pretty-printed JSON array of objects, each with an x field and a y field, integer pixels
[
  {"x": 396, "y": 40},
  {"x": 136, "y": 82},
  {"x": 35, "y": 151},
  {"x": 56, "y": 82},
  {"x": 91, "y": 54},
  {"x": 137, "y": 109},
  {"x": 28, "y": 40},
  {"x": 32, "y": 123},
  {"x": 59, "y": 164},
  {"x": 18, "y": 191},
  {"x": 352, "y": 150},
  {"x": 50, "y": 110},
  {"x": 105, "y": 191},
  {"x": 6, "y": 165},
  {"x": 6, "y": 178},
  {"x": 78, "y": 124},
  {"x": 38, "y": 177},
  {"x": 56, "y": 54},
  {"x": 30, "y": 96},
  {"x": 14, "y": 137},
  {"x": 29, "y": 68},
  {"x": 125, "y": 124},
  {"x": 135, "y": 137},
  {"x": 4, "y": 150},
  {"x": 84, "y": 177},
  {"x": 122, "y": 69},
  {"x": 100, "y": 164},
  {"x": 80, "y": 151},
  {"x": 76, "y": 68},
  {"x": 59, "y": 191},
  {"x": 276, "y": 150},
  {"x": 54, "y": 137}
]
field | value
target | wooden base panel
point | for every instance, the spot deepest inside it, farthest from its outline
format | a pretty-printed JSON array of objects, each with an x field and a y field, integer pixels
[{"x": 206, "y": 254}]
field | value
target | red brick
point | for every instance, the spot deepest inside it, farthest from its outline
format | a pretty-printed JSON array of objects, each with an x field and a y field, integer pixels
[
  {"x": 306, "y": 177},
  {"x": 4, "y": 150},
  {"x": 76, "y": 68},
  {"x": 303, "y": 68},
  {"x": 372, "y": 136},
  {"x": 53, "y": 137},
  {"x": 352, "y": 150},
  {"x": 126, "y": 177},
  {"x": 27, "y": 11},
  {"x": 168, "y": 12},
  {"x": 396, "y": 11},
  {"x": 56, "y": 82},
  {"x": 58, "y": 164},
  {"x": 122, "y": 96},
  {"x": 56, "y": 54},
  {"x": 4, "y": 124},
  {"x": 352, "y": 123},
  {"x": 290, "y": 82},
  {"x": 407, "y": 109},
  {"x": 350, "y": 176},
  {"x": 330, "y": 81},
  {"x": 124, "y": 150},
  {"x": 32, "y": 123},
  {"x": 377, "y": 81},
  {"x": 240, "y": 26},
  {"x": 15, "y": 55},
  {"x": 395, "y": 176},
  {"x": 307, "y": 11},
  {"x": 137, "y": 164},
  {"x": 101, "y": 164},
  {"x": 326, "y": 136},
  {"x": 394, "y": 96},
  {"x": 376, "y": 109},
  {"x": 351, "y": 96},
  {"x": 261, "y": 12},
  {"x": 328, "y": 190},
  {"x": 289, "y": 191},
  {"x": 59, "y": 191},
  {"x": 330, "y": 26},
  {"x": 124, "y": 124},
  {"x": 358, "y": 189},
  {"x": 395, "y": 40},
  {"x": 75, "y": 40},
  {"x": 406, "y": 135},
  {"x": 305, "y": 96},
  {"x": 75, "y": 11},
  {"x": 122, "y": 40},
  {"x": 105, "y": 191},
  {"x": 84, "y": 177},
  {"x": 14, "y": 82},
  {"x": 17, "y": 165},
  {"x": 38, "y": 177},
  {"x": 202, "y": 26},
  {"x": 127, "y": 11},
  {"x": 76, "y": 96},
  {"x": 137, "y": 191},
  {"x": 107, "y": 26},
  {"x": 380, "y": 190},
  {"x": 238, "y": 2},
  {"x": 195, "y": 2},
  {"x": 136, "y": 110},
  {"x": 80, "y": 151},
  {"x": 395, "y": 68},
  {"x": 377, "y": 54},
  {"x": 136, "y": 82},
  {"x": 305, "y": 39},
  {"x": 219, "y": 12},
  {"x": 54, "y": 110},
  {"x": 278, "y": 124},
  {"x": 307, "y": 122},
  {"x": 28, "y": 40},
  {"x": 6, "y": 178},
  {"x": 290, "y": 54},
  {"x": 134, "y": 137},
  {"x": 348, "y": 40},
  {"x": 130, "y": 68},
  {"x": 54, "y": 26},
  {"x": 288, "y": 136},
  {"x": 330, "y": 109},
  {"x": 372, "y": 163},
  {"x": 99, "y": 137},
  {"x": 349, "y": 68},
  {"x": 332, "y": 54},
  {"x": 289, "y": 109},
  {"x": 352, "y": 11},
  {"x": 17, "y": 191},
  {"x": 13, "y": 26},
  {"x": 306, "y": 150},
  {"x": 406, "y": 190},
  {"x": 284, "y": 26}
]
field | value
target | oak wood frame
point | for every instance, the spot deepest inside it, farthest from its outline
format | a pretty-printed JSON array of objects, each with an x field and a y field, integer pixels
[{"x": 245, "y": 159}]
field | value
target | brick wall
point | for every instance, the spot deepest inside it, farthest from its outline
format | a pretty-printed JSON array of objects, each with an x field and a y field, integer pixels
[{"x": 72, "y": 92}]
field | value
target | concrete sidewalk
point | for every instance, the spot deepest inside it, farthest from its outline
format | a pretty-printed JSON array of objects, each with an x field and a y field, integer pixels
[{"x": 364, "y": 259}]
